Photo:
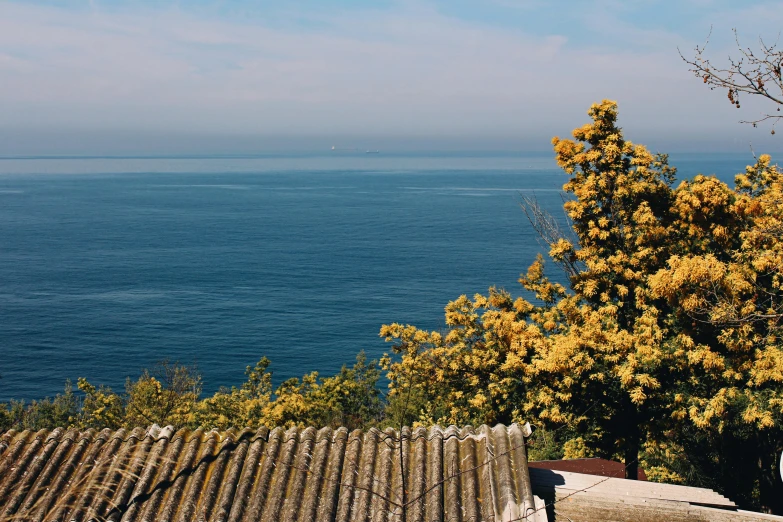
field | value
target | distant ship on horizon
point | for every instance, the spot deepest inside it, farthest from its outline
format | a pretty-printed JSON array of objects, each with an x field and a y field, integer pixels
[{"x": 368, "y": 151}]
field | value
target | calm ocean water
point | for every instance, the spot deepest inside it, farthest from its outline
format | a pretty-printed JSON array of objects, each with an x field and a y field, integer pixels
[{"x": 108, "y": 265}]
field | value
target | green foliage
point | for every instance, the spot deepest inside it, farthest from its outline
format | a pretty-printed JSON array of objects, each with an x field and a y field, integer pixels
[
  {"x": 102, "y": 408},
  {"x": 48, "y": 413},
  {"x": 165, "y": 395},
  {"x": 545, "y": 445},
  {"x": 168, "y": 394},
  {"x": 242, "y": 406},
  {"x": 350, "y": 398}
]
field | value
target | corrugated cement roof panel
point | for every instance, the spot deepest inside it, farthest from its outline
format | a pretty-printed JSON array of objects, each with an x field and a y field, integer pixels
[{"x": 293, "y": 475}]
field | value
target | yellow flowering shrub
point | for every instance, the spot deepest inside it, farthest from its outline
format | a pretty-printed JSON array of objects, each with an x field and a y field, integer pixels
[{"x": 669, "y": 326}]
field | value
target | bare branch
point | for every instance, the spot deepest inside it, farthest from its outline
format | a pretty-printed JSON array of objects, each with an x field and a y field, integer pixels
[
  {"x": 549, "y": 231},
  {"x": 757, "y": 74}
]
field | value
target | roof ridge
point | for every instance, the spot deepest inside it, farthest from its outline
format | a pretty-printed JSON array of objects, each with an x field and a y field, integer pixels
[{"x": 235, "y": 433}]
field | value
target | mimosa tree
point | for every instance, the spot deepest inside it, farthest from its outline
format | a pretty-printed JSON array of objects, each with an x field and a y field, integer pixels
[{"x": 631, "y": 357}]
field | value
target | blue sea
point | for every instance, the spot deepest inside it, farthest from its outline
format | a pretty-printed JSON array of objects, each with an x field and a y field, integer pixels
[{"x": 108, "y": 265}]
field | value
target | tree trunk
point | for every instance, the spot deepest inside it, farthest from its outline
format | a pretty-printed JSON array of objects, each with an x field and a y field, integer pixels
[
  {"x": 632, "y": 440},
  {"x": 770, "y": 486},
  {"x": 632, "y": 456}
]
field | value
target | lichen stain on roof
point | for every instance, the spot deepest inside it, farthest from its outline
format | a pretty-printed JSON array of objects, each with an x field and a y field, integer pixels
[{"x": 279, "y": 475}]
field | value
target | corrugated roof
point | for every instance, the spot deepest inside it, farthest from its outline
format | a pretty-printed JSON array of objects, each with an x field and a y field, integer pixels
[{"x": 279, "y": 475}]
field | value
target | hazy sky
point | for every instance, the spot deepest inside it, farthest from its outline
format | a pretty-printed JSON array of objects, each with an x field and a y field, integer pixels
[{"x": 506, "y": 72}]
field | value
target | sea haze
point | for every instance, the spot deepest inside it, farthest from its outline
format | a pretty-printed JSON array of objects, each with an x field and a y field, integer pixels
[{"x": 108, "y": 265}]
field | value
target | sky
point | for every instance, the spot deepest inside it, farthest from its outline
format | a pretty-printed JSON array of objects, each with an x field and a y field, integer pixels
[{"x": 114, "y": 76}]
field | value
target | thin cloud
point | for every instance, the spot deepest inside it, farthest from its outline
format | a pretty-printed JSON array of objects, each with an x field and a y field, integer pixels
[{"x": 405, "y": 70}]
